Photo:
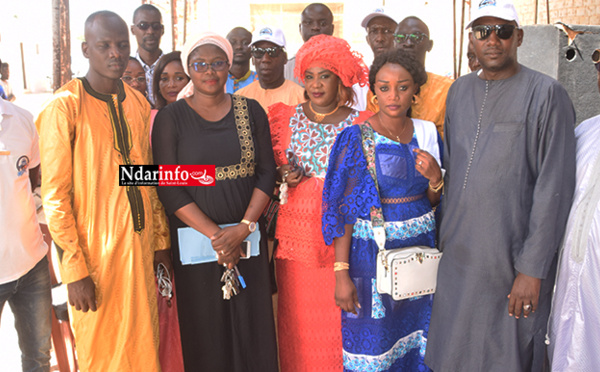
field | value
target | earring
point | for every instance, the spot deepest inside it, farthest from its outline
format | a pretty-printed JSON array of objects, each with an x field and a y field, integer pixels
[{"x": 374, "y": 101}]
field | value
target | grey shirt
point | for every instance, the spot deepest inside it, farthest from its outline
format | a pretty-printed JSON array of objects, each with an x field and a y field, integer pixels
[{"x": 510, "y": 162}]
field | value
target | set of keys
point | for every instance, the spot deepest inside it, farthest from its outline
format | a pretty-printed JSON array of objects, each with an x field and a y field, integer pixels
[{"x": 233, "y": 281}]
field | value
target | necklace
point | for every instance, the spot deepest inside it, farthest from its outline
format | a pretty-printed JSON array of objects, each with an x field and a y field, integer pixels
[
  {"x": 319, "y": 117},
  {"x": 391, "y": 134}
]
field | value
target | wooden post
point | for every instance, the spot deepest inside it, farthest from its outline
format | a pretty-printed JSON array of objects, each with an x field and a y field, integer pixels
[
  {"x": 455, "y": 75},
  {"x": 174, "y": 24},
  {"x": 536, "y": 12},
  {"x": 23, "y": 66},
  {"x": 548, "y": 11},
  {"x": 462, "y": 37},
  {"x": 61, "y": 42},
  {"x": 185, "y": 18}
]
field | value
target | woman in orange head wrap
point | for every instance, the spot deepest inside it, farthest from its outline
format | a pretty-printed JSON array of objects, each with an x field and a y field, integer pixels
[{"x": 308, "y": 319}]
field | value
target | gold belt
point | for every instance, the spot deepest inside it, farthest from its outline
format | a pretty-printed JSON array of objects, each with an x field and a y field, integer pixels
[{"x": 406, "y": 199}]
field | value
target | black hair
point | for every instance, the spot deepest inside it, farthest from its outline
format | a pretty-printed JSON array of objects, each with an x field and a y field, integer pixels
[
  {"x": 158, "y": 70},
  {"x": 314, "y": 5},
  {"x": 101, "y": 13},
  {"x": 402, "y": 58},
  {"x": 148, "y": 8},
  {"x": 415, "y": 18}
]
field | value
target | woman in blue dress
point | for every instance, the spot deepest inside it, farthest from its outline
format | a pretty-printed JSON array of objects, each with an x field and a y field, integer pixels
[{"x": 380, "y": 334}]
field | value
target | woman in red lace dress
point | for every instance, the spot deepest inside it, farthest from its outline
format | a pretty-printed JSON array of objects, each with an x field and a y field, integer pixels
[{"x": 308, "y": 320}]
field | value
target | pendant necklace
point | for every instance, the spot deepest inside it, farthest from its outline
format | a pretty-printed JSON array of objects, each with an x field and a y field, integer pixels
[
  {"x": 319, "y": 117},
  {"x": 391, "y": 134}
]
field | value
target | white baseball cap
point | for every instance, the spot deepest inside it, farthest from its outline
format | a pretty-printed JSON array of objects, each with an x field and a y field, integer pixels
[
  {"x": 268, "y": 33},
  {"x": 379, "y": 12},
  {"x": 503, "y": 9}
]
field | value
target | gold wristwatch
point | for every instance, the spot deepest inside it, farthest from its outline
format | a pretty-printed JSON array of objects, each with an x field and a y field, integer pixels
[{"x": 251, "y": 225}]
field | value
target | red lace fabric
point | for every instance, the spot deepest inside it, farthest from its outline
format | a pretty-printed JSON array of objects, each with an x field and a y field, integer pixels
[
  {"x": 299, "y": 221},
  {"x": 299, "y": 226},
  {"x": 309, "y": 323}
]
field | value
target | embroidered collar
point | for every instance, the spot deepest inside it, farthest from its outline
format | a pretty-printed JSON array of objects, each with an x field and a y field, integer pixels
[
  {"x": 246, "y": 76},
  {"x": 101, "y": 96}
]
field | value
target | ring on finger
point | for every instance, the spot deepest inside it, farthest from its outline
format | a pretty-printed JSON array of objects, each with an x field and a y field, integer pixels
[
  {"x": 527, "y": 307},
  {"x": 420, "y": 162},
  {"x": 222, "y": 253}
]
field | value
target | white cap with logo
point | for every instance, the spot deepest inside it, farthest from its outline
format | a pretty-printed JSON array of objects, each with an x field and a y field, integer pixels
[
  {"x": 267, "y": 33},
  {"x": 503, "y": 9},
  {"x": 379, "y": 12}
]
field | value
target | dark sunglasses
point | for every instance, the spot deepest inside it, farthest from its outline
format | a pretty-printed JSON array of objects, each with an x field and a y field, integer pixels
[
  {"x": 129, "y": 79},
  {"x": 415, "y": 37},
  {"x": 274, "y": 52},
  {"x": 203, "y": 66},
  {"x": 504, "y": 32},
  {"x": 596, "y": 59},
  {"x": 156, "y": 26}
]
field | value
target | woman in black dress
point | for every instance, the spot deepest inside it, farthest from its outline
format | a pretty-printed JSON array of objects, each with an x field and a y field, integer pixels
[{"x": 209, "y": 126}]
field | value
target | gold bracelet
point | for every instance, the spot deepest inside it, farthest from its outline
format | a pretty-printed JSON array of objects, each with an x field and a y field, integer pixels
[
  {"x": 339, "y": 266},
  {"x": 438, "y": 187}
]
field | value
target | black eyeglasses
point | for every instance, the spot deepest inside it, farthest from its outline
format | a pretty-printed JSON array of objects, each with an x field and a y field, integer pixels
[
  {"x": 504, "y": 32},
  {"x": 274, "y": 52},
  {"x": 129, "y": 79},
  {"x": 415, "y": 37},
  {"x": 203, "y": 66},
  {"x": 156, "y": 26}
]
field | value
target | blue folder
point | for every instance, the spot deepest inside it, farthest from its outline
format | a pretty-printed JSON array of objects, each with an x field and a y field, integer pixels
[{"x": 196, "y": 248}]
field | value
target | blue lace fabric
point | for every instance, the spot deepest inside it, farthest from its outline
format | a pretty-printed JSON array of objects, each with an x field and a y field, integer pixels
[{"x": 386, "y": 335}]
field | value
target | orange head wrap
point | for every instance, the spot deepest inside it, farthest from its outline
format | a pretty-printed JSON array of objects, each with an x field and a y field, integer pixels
[{"x": 333, "y": 54}]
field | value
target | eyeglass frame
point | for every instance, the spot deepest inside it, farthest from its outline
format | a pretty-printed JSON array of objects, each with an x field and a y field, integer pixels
[
  {"x": 139, "y": 79},
  {"x": 211, "y": 65},
  {"x": 273, "y": 52},
  {"x": 144, "y": 26},
  {"x": 416, "y": 37},
  {"x": 496, "y": 28}
]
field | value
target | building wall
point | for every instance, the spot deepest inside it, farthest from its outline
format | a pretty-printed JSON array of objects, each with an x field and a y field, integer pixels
[{"x": 572, "y": 12}]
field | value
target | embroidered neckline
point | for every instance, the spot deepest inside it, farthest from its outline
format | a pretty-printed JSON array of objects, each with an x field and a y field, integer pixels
[{"x": 245, "y": 168}]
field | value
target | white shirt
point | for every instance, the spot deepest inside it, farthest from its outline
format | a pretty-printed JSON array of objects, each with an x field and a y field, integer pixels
[
  {"x": 22, "y": 244},
  {"x": 149, "y": 69},
  {"x": 574, "y": 332}
]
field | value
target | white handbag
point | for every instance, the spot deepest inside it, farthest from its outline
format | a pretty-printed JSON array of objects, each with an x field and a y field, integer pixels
[
  {"x": 407, "y": 272},
  {"x": 403, "y": 272}
]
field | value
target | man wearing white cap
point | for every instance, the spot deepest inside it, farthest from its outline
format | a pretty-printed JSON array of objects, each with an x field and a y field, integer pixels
[
  {"x": 380, "y": 31},
  {"x": 269, "y": 57},
  {"x": 510, "y": 171},
  {"x": 380, "y": 37}
]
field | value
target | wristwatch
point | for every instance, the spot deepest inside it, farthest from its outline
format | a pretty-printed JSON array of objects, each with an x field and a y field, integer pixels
[{"x": 251, "y": 225}]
